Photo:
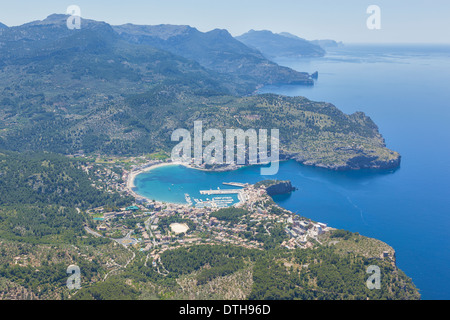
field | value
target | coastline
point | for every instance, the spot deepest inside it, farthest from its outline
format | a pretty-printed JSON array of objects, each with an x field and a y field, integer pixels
[
  {"x": 388, "y": 251},
  {"x": 131, "y": 176}
]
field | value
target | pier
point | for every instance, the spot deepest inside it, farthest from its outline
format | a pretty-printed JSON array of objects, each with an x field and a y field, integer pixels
[{"x": 236, "y": 184}]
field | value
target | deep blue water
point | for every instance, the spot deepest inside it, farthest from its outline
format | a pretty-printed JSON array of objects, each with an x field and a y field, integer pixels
[{"x": 405, "y": 90}]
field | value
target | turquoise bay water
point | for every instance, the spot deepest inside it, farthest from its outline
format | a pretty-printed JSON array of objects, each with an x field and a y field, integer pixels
[
  {"x": 171, "y": 183},
  {"x": 404, "y": 89}
]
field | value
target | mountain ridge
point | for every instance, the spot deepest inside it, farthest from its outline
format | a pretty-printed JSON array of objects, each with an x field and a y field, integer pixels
[
  {"x": 91, "y": 90},
  {"x": 274, "y": 45},
  {"x": 216, "y": 50}
]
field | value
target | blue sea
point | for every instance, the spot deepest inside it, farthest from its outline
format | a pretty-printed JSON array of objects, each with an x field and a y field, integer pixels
[{"x": 405, "y": 90}]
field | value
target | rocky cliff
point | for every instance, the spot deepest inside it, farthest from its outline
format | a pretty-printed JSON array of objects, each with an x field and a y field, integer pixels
[{"x": 275, "y": 187}]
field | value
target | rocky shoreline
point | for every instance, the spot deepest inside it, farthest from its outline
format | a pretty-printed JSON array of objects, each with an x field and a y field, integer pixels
[
  {"x": 276, "y": 187},
  {"x": 355, "y": 163}
]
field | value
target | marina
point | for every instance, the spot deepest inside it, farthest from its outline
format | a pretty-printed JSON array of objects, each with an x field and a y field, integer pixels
[
  {"x": 215, "y": 202},
  {"x": 222, "y": 202}
]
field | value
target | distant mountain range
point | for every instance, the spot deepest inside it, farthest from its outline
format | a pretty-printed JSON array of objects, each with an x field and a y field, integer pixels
[
  {"x": 216, "y": 50},
  {"x": 284, "y": 44},
  {"x": 123, "y": 90},
  {"x": 96, "y": 51},
  {"x": 244, "y": 60},
  {"x": 325, "y": 43}
]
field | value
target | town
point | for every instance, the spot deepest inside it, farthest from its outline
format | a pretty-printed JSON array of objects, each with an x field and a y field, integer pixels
[{"x": 151, "y": 226}]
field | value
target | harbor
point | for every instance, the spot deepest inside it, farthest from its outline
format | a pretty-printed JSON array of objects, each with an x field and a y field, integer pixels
[
  {"x": 215, "y": 202},
  {"x": 222, "y": 200}
]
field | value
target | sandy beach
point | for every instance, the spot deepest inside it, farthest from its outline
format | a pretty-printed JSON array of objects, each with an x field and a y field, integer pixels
[{"x": 133, "y": 174}]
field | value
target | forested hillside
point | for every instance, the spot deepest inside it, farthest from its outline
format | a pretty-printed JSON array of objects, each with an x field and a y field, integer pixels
[
  {"x": 216, "y": 50},
  {"x": 218, "y": 272},
  {"x": 68, "y": 90},
  {"x": 40, "y": 193}
]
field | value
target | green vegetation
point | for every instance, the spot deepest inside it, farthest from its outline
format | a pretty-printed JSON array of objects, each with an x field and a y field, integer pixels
[
  {"x": 38, "y": 271},
  {"x": 186, "y": 260},
  {"x": 48, "y": 277},
  {"x": 42, "y": 212},
  {"x": 266, "y": 183},
  {"x": 311, "y": 132},
  {"x": 324, "y": 274},
  {"x": 40, "y": 194},
  {"x": 274, "y": 239},
  {"x": 159, "y": 156},
  {"x": 112, "y": 289},
  {"x": 93, "y": 92},
  {"x": 222, "y": 270},
  {"x": 216, "y": 50},
  {"x": 133, "y": 97},
  {"x": 341, "y": 234},
  {"x": 45, "y": 178},
  {"x": 320, "y": 273}
]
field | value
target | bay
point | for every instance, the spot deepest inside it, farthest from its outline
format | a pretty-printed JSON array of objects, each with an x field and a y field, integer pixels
[{"x": 404, "y": 89}]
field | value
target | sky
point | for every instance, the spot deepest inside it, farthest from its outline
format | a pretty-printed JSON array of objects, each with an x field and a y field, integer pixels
[{"x": 402, "y": 21}]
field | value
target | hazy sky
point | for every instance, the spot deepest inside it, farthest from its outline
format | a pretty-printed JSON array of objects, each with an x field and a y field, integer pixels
[{"x": 401, "y": 21}]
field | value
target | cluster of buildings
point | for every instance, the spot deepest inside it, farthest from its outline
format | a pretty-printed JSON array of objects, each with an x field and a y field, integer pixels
[
  {"x": 149, "y": 236},
  {"x": 302, "y": 231},
  {"x": 209, "y": 229}
]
